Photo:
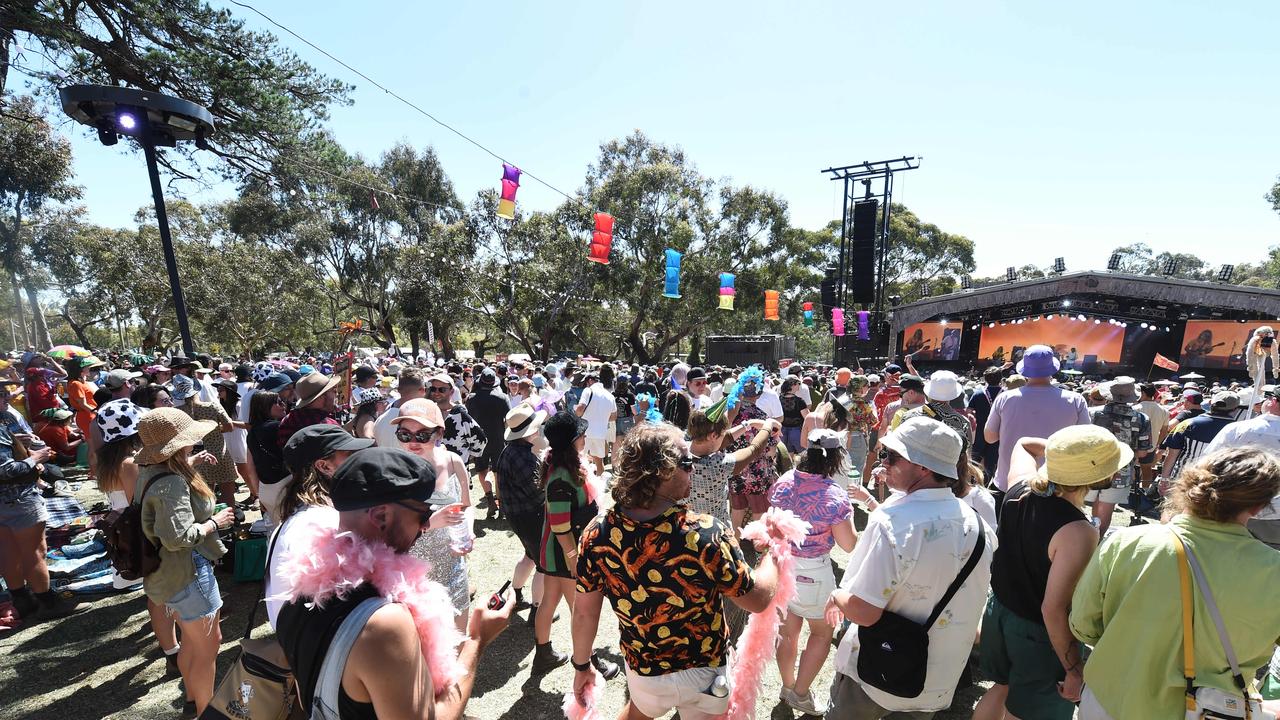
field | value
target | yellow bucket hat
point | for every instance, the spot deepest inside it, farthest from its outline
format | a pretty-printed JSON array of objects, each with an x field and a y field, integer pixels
[{"x": 1083, "y": 455}]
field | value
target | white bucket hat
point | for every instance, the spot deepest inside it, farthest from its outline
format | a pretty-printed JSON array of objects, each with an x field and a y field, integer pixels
[
  {"x": 927, "y": 442},
  {"x": 943, "y": 386}
]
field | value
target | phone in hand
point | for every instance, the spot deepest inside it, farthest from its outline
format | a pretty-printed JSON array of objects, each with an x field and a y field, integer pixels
[{"x": 499, "y": 600}]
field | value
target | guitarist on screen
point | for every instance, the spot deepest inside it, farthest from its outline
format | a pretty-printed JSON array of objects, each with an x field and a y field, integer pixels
[{"x": 1196, "y": 350}]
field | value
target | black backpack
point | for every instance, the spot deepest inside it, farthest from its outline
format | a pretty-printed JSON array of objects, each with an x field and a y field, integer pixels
[{"x": 132, "y": 554}]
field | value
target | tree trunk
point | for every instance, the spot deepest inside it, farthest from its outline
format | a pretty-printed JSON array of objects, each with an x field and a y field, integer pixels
[
  {"x": 17, "y": 306},
  {"x": 78, "y": 329},
  {"x": 41, "y": 328},
  {"x": 413, "y": 340}
]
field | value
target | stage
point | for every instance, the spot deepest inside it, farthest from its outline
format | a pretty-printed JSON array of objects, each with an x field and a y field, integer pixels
[{"x": 1097, "y": 322}]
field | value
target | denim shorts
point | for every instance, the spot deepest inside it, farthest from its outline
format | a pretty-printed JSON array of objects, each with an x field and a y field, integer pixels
[
  {"x": 200, "y": 599},
  {"x": 26, "y": 510}
]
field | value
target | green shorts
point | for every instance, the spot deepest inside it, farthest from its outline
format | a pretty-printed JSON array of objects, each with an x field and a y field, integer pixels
[{"x": 1017, "y": 652}]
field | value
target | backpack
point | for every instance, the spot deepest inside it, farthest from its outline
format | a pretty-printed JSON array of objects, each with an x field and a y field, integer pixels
[{"x": 132, "y": 554}]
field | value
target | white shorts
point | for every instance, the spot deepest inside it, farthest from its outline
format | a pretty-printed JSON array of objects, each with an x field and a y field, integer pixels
[
  {"x": 1115, "y": 496},
  {"x": 237, "y": 445},
  {"x": 683, "y": 690},
  {"x": 596, "y": 447},
  {"x": 815, "y": 581}
]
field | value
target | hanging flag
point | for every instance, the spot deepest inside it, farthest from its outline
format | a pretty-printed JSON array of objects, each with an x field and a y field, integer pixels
[
  {"x": 1166, "y": 363},
  {"x": 837, "y": 321},
  {"x": 726, "y": 291},
  {"x": 601, "y": 239},
  {"x": 672, "y": 287},
  {"x": 808, "y": 314},
  {"x": 864, "y": 325},
  {"x": 510, "y": 184},
  {"x": 373, "y": 200},
  {"x": 770, "y": 304}
]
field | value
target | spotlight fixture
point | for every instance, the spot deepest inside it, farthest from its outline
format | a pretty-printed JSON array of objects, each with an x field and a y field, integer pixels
[
  {"x": 1080, "y": 318},
  {"x": 991, "y": 325},
  {"x": 1059, "y": 265},
  {"x": 1225, "y": 272},
  {"x": 966, "y": 282},
  {"x": 1097, "y": 321},
  {"x": 1171, "y": 266},
  {"x": 943, "y": 321},
  {"x": 1066, "y": 303},
  {"x": 1011, "y": 274},
  {"x": 1113, "y": 263},
  {"x": 1143, "y": 326}
]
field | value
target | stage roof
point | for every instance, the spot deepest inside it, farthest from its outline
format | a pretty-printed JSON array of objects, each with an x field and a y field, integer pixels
[{"x": 1150, "y": 291}]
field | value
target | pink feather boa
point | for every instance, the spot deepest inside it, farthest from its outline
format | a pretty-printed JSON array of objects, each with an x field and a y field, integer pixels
[
  {"x": 326, "y": 563},
  {"x": 591, "y": 694},
  {"x": 779, "y": 529}
]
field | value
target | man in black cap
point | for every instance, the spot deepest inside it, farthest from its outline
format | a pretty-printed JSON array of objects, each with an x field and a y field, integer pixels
[
  {"x": 312, "y": 455},
  {"x": 382, "y": 495},
  {"x": 679, "y": 403},
  {"x": 911, "y": 396},
  {"x": 488, "y": 406}
]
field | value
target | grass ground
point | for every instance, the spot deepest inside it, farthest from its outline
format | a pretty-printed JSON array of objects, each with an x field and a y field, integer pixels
[{"x": 104, "y": 663}]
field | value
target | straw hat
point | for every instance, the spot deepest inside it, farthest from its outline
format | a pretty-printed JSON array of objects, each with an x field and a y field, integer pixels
[
  {"x": 523, "y": 421},
  {"x": 311, "y": 387},
  {"x": 1080, "y": 455},
  {"x": 165, "y": 431}
]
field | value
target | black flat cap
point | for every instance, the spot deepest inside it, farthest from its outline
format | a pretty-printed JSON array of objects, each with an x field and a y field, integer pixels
[
  {"x": 380, "y": 476},
  {"x": 316, "y": 442}
]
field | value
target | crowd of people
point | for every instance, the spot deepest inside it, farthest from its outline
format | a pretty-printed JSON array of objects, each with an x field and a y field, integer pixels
[{"x": 978, "y": 514}]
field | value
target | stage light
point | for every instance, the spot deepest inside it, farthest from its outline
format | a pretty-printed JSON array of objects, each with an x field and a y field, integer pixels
[
  {"x": 943, "y": 321},
  {"x": 1066, "y": 303},
  {"x": 126, "y": 121},
  {"x": 1059, "y": 265},
  {"x": 1080, "y": 318},
  {"x": 1171, "y": 266},
  {"x": 991, "y": 325},
  {"x": 966, "y": 282},
  {"x": 1143, "y": 326},
  {"x": 1113, "y": 264},
  {"x": 1225, "y": 272},
  {"x": 1011, "y": 274},
  {"x": 1097, "y": 322},
  {"x": 973, "y": 327},
  {"x": 1166, "y": 328}
]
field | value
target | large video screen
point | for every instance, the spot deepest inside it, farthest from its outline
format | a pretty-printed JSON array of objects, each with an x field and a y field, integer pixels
[
  {"x": 1079, "y": 344},
  {"x": 1215, "y": 345},
  {"x": 933, "y": 341}
]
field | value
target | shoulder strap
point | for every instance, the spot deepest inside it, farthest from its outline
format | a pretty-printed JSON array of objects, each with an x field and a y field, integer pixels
[
  {"x": 262, "y": 594},
  {"x": 1202, "y": 583},
  {"x": 1188, "y": 610},
  {"x": 151, "y": 482},
  {"x": 964, "y": 573},
  {"x": 325, "y": 702}
]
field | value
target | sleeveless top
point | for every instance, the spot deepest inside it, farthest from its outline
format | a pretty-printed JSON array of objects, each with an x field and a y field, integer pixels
[
  {"x": 1020, "y": 568},
  {"x": 305, "y": 634}
]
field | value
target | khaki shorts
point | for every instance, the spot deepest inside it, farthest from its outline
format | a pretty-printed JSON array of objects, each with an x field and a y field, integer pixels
[
  {"x": 597, "y": 447},
  {"x": 1115, "y": 496},
  {"x": 683, "y": 690}
]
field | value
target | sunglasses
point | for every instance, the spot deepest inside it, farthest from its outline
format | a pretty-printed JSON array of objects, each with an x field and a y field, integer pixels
[
  {"x": 424, "y": 516},
  {"x": 888, "y": 457},
  {"x": 438, "y": 389},
  {"x": 421, "y": 436},
  {"x": 685, "y": 463}
]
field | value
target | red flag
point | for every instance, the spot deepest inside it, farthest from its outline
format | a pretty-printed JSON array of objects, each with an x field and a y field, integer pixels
[
  {"x": 373, "y": 200},
  {"x": 1166, "y": 363}
]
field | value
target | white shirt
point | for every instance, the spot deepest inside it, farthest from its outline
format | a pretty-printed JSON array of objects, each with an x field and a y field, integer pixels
[
  {"x": 904, "y": 561},
  {"x": 275, "y": 582},
  {"x": 802, "y": 391},
  {"x": 770, "y": 403},
  {"x": 600, "y": 405},
  {"x": 384, "y": 433},
  {"x": 984, "y": 503}
]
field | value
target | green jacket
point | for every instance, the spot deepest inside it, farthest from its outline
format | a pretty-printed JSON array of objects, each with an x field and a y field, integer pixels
[
  {"x": 1128, "y": 606},
  {"x": 174, "y": 518}
]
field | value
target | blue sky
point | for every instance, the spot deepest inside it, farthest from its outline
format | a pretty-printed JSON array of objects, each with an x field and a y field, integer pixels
[{"x": 1047, "y": 129}]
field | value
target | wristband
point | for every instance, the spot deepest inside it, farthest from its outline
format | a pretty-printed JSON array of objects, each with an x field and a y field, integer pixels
[{"x": 584, "y": 666}]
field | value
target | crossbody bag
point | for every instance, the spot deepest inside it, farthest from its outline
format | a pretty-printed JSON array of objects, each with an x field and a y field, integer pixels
[
  {"x": 893, "y": 654},
  {"x": 1207, "y": 702}
]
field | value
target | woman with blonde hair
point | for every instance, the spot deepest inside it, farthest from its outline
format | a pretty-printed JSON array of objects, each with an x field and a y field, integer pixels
[
  {"x": 221, "y": 472},
  {"x": 178, "y": 517},
  {"x": 1127, "y": 604}
]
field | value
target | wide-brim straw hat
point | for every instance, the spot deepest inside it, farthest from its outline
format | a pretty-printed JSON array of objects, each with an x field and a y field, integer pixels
[
  {"x": 165, "y": 431},
  {"x": 523, "y": 421},
  {"x": 1080, "y": 455},
  {"x": 311, "y": 387}
]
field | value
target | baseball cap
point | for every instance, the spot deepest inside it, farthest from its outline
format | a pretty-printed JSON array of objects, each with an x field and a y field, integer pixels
[
  {"x": 911, "y": 382},
  {"x": 316, "y": 442},
  {"x": 420, "y": 410},
  {"x": 119, "y": 377},
  {"x": 275, "y": 382},
  {"x": 1269, "y": 391},
  {"x": 364, "y": 372},
  {"x": 56, "y": 413},
  {"x": 380, "y": 476},
  {"x": 892, "y": 368},
  {"x": 1224, "y": 401},
  {"x": 539, "y": 381},
  {"x": 927, "y": 442}
]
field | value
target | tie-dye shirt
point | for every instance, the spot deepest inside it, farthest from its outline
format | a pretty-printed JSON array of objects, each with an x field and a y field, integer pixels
[{"x": 818, "y": 501}]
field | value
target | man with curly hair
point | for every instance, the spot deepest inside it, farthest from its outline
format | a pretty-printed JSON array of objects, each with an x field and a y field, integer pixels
[{"x": 664, "y": 568}]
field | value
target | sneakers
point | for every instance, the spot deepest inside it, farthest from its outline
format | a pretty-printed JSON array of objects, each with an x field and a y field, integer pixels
[
  {"x": 803, "y": 703},
  {"x": 608, "y": 670},
  {"x": 545, "y": 658}
]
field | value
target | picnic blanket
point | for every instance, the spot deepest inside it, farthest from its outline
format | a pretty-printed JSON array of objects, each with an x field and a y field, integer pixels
[{"x": 62, "y": 511}]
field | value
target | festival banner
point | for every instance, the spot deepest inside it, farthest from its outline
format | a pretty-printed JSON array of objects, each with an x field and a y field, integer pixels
[{"x": 1166, "y": 363}]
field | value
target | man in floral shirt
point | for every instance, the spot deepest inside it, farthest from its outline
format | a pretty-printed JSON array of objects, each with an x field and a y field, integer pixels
[{"x": 664, "y": 570}]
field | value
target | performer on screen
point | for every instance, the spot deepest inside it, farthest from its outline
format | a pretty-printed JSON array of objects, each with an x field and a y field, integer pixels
[
  {"x": 1196, "y": 350},
  {"x": 917, "y": 342}
]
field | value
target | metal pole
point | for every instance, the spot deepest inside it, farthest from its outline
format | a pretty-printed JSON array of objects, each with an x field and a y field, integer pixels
[{"x": 170, "y": 258}]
